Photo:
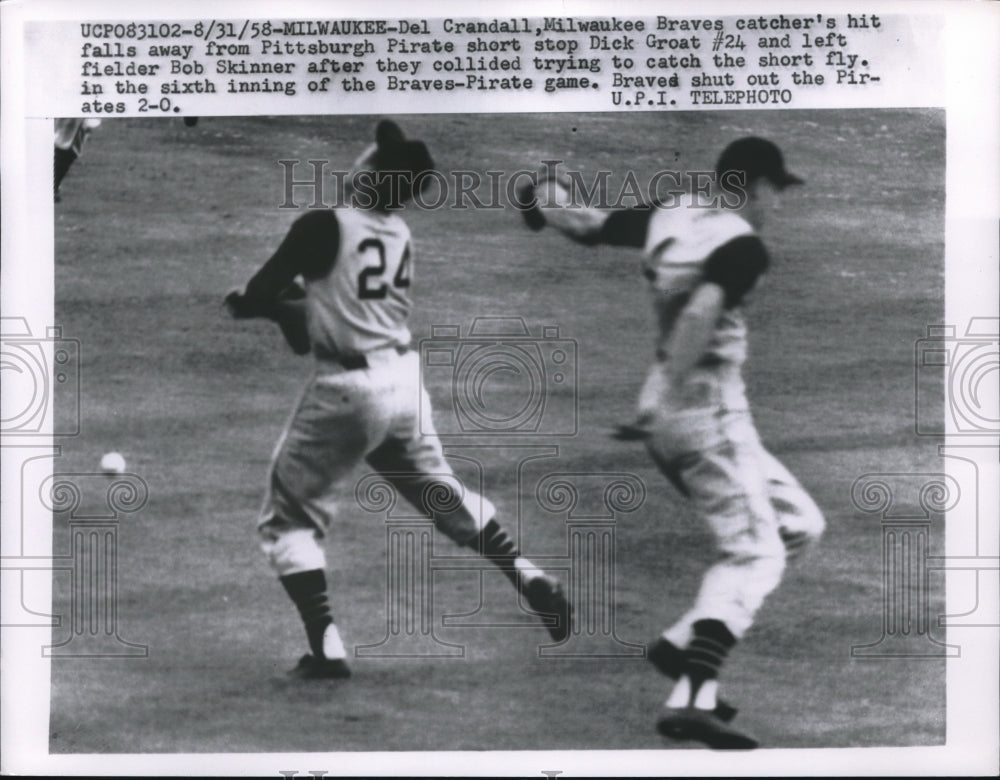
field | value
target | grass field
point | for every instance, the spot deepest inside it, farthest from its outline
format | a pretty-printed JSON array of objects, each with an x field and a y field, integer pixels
[{"x": 158, "y": 221}]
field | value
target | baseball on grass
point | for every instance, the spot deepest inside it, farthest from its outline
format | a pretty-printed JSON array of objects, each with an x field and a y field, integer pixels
[{"x": 112, "y": 463}]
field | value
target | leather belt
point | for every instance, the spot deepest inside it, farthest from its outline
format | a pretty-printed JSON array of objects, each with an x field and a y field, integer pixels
[{"x": 356, "y": 362}]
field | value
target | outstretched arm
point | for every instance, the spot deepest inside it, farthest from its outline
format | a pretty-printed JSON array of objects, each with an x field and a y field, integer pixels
[
  {"x": 309, "y": 249},
  {"x": 551, "y": 203}
]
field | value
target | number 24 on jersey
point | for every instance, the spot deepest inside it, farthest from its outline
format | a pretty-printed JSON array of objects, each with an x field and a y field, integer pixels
[{"x": 372, "y": 284}]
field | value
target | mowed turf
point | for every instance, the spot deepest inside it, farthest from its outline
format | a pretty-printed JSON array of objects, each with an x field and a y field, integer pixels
[{"x": 158, "y": 221}]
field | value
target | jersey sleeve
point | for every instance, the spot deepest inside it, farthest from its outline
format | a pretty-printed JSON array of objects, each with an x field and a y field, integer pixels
[
  {"x": 626, "y": 227},
  {"x": 736, "y": 266},
  {"x": 309, "y": 249}
]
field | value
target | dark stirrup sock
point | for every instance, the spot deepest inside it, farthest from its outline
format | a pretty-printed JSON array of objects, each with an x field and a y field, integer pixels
[{"x": 308, "y": 590}]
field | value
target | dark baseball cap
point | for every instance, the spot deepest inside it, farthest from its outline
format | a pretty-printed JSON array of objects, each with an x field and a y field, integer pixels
[
  {"x": 759, "y": 158},
  {"x": 394, "y": 153}
]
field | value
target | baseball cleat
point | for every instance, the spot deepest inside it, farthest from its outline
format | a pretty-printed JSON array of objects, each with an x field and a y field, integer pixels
[
  {"x": 312, "y": 668},
  {"x": 702, "y": 726},
  {"x": 545, "y": 595},
  {"x": 637, "y": 430},
  {"x": 669, "y": 659},
  {"x": 630, "y": 432}
]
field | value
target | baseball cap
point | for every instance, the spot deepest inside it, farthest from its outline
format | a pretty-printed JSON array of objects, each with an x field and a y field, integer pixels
[
  {"x": 758, "y": 157},
  {"x": 392, "y": 152},
  {"x": 395, "y": 152}
]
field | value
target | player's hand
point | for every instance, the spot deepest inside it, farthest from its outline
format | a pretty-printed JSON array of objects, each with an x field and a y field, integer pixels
[
  {"x": 291, "y": 316},
  {"x": 290, "y": 313},
  {"x": 294, "y": 292},
  {"x": 237, "y": 306}
]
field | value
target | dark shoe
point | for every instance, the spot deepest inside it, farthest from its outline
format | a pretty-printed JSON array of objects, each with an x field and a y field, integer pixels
[
  {"x": 669, "y": 659},
  {"x": 312, "y": 668},
  {"x": 545, "y": 595},
  {"x": 630, "y": 432},
  {"x": 640, "y": 428},
  {"x": 702, "y": 726}
]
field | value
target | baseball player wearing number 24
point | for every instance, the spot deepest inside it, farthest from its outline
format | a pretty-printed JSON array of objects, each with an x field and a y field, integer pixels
[
  {"x": 365, "y": 399},
  {"x": 694, "y": 416}
]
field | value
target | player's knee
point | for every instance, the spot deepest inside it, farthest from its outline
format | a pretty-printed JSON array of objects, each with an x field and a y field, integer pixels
[
  {"x": 815, "y": 524},
  {"x": 466, "y": 519},
  {"x": 762, "y": 552},
  {"x": 804, "y": 534},
  {"x": 289, "y": 551}
]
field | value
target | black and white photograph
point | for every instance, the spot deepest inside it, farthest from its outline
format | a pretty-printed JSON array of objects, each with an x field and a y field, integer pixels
[{"x": 416, "y": 436}]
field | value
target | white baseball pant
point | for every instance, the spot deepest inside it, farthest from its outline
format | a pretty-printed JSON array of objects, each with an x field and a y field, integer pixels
[
  {"x": 704, "y": 440},
  {"x": 345, "y": 416}
]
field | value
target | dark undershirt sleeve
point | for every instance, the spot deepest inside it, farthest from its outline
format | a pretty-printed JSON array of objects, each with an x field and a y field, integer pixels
[
  {"x": 309, "y": 250},
  {"x": 626, "y": 227},
  {"x": 736, "y": 266}
]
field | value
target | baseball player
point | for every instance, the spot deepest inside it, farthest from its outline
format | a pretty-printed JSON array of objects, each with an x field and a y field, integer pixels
[
  {"x": 693, "y": 414},
  {"x": 71, "y": 134},
  {"x": 365, "y": 399}
]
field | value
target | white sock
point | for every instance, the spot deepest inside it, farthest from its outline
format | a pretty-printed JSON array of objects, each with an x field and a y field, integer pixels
[
  {"x": 527, "y": 569},
  {"x": 705, "y": 700},
  {"x": 679, "y": 634},
  {"x": 333, "y": 647},
  {"x": 680, "y": 696}
]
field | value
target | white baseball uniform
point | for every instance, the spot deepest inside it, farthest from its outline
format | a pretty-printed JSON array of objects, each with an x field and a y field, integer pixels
[
  {"x": 703, "y": 436},
  {"x": 365, "y": 400},
  {"x": 701, "y": 433}
]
